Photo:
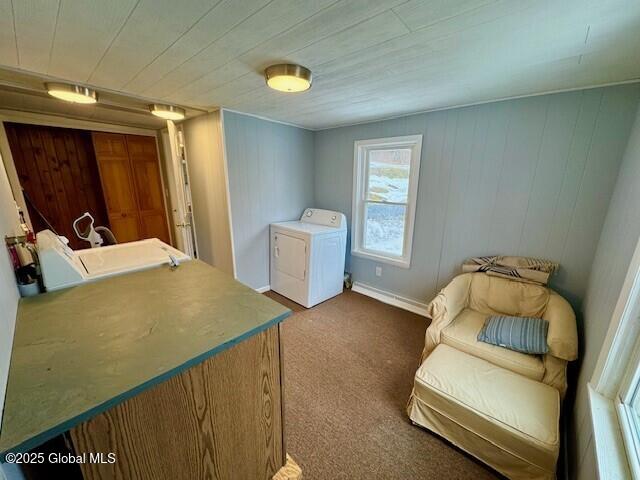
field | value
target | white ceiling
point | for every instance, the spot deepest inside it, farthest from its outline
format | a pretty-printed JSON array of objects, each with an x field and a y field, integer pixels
[{"x": 370, "y": 58}]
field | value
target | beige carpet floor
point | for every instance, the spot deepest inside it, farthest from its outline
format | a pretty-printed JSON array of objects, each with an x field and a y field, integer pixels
[{"x": 349, "y": 366}]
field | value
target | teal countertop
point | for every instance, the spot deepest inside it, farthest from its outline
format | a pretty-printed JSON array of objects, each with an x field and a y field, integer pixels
[{"x": 78, "y": 352}]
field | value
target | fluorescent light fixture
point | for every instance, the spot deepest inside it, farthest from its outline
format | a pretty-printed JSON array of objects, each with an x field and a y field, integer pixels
[
  {"x": 72, "y": 93},
  {"x": 287, "y": 77},
  {"x": 168, "y": 112}
]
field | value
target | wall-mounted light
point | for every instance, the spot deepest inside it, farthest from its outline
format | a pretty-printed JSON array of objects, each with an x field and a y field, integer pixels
[
  {"x": 168, "y": 112},
  {"x": 287, "y": 77},
  {"x": 72, "y": 93}
]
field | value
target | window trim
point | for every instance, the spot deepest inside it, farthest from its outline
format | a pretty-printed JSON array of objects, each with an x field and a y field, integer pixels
[
  {"x": 629, "y": 387},
  {"x": 360, "y": 178},
  {"x": 616, "y": 435}
]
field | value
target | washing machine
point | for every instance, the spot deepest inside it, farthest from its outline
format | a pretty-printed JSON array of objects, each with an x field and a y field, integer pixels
[
  {"x": 307, "y": 256},
  {"x": 63, "y": 267}
]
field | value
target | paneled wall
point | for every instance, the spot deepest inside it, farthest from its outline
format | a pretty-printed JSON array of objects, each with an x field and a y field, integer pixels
[
  {"x": 270, "y": 169},
  {"x": 531, "y": 176},
  {"x": 203, "y": 140},
  {"x": 57, "y": 170},
  {"x": 9, "y": 225},
  {"x": 619, "y": 237}
]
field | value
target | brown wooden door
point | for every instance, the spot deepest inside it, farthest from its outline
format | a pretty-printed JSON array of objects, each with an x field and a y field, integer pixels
[
  {"x": 117, "y": 184},
  {"x": 130, "y": 174},
  {"x": 59, "y": 175},
  {"x": 148, "y": 185}
]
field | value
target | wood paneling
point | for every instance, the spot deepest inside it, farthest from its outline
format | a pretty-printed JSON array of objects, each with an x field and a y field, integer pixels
[
  {"x": 208, "y": 180},
  {"x": 524, "y": 177},
  {"x": 95, "y": 21},
  {"x": 58, "y": 171},
  {"x": 220, "y": 419},
  {"x": 8, "y": 45},
  {"x": 323, "y": 30},
  {"x": 610, "y": 264},
  {"x": 372, "y": 58},
  {"x": 270, "y": 168},
  {"x": 35, "y": 26},
  {"x": 130, "y": 175}
]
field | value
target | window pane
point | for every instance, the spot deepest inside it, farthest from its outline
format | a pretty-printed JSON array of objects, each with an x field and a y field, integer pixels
[
  {"x": 389, "y": 175},
  {"x": 384, "y": 228},
  {"x": 635, "y": 405}
]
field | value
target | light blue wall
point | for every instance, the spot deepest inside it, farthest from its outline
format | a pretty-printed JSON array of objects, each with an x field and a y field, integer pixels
[
  {"x": 620, "y": 235},
  {"x": 527, "y": 177},
  {"x": 270, "y": 169}
]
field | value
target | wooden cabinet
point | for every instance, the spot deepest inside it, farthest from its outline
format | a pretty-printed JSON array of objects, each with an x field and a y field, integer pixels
[
  {"x": 130, "y": 176},
  {"x": 220, "y": 419}
]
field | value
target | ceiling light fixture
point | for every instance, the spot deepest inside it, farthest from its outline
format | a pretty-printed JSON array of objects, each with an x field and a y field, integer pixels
[
  {"x": 72, "y": 93},
  {"x": 287, "y": 77},
  {"x": 168, "y": 112}
]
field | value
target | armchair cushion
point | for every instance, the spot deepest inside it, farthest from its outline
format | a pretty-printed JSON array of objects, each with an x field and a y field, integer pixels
[
  {"x": 499, "y": 296},
  {"x": 462, "y": 334}
]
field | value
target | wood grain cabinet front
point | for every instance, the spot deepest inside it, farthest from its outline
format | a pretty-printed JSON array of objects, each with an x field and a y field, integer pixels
[{"x": 220, "y": 419}]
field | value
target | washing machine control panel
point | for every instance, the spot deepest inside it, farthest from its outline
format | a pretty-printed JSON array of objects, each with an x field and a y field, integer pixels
[{"x": 324, "y": 217}]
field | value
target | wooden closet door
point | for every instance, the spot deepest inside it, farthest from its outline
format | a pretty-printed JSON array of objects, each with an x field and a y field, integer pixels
[
  {"x": 118, "y": 186},
  {"x": 148, "y": 185}
]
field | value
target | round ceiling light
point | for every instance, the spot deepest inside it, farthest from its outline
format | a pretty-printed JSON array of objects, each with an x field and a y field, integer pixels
[
  {"x": 72, "y": 93},
  {"x": 287, "y": 77},
  {"x": 168, "y": 112}
]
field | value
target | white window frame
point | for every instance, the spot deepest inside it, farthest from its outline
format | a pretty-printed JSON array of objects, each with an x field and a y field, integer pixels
[
  {"x": 614, "y": 382},
  {"x": 360, "y": 175},
  {"x": 628, "y": 424}
]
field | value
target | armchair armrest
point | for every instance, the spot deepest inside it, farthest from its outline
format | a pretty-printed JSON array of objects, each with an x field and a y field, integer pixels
[
  {"x": 446, "y": 306},
  {"x": 562, "y": 337}
]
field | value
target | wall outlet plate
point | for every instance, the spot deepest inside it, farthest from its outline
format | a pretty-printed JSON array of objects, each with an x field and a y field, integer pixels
[{"x": 378, "y": 271}]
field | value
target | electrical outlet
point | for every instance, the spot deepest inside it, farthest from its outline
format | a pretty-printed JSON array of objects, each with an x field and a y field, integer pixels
[{"x": 378, "y": 271}]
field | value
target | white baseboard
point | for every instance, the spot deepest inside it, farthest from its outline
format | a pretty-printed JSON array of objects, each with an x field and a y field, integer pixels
[
  {"x": 266, "y": 288},
  {"x": 391, "y": 298}
]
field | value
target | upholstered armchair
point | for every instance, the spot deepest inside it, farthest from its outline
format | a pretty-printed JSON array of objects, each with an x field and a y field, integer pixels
[{"x": 459, "y": 311}]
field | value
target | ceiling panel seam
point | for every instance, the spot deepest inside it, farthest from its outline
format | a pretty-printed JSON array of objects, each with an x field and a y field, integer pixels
[
  {"x": 172, "y": 44},
  {"x": 126, "y": 20}
]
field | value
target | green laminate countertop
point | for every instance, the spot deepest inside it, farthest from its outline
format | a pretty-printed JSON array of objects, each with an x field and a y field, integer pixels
[{"x": 79, "y": 351}]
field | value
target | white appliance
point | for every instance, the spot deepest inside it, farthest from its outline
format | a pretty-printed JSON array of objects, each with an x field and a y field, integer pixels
[
  {"x": 63, "y": 267},
  {"x": 307, "y": 256}
]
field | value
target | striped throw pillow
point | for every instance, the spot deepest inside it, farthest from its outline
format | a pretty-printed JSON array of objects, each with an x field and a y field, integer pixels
[{"x": 522, "y": 334}]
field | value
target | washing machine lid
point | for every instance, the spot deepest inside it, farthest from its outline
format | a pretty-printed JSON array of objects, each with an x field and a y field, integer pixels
[{"x": 127, "y": 257}]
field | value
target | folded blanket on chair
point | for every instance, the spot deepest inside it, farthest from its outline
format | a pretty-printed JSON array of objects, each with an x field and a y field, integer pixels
[{"x": 524, "y": 269}]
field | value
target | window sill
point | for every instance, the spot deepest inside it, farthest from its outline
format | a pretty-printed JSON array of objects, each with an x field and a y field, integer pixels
[
  {"x": 398, "y": 262},
  {"x": 611, "y": 456}
]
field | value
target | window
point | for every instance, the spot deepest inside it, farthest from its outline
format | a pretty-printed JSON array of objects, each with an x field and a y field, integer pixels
[
  {"x": 628, "y": 399},
  {"x": 629, "y": 416},
  {"x": 614, "y": 389},
  {"x": 385, "y": 186}
]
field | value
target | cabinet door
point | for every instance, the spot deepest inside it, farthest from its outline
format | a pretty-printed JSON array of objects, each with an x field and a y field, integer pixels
[
  {"x": 148, "y": 184},
  {"x": 118, "y": 186}
]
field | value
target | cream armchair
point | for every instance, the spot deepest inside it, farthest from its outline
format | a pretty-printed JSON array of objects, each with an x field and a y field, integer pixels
[{"x": 459, "y": 311}]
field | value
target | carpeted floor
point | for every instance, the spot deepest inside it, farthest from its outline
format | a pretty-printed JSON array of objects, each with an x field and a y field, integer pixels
[{"x": 349, "y": 366}]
